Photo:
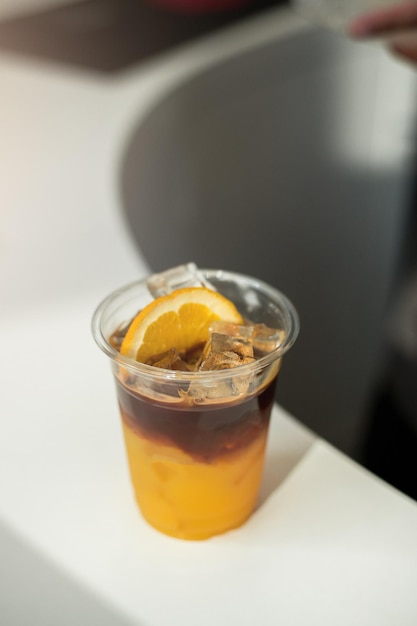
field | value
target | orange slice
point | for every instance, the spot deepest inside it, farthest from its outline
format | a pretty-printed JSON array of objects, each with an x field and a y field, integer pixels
[{"x": 179, "y": 320}]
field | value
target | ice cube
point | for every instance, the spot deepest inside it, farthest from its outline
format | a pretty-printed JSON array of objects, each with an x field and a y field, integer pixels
[
  {"x": 229, "y": 345},
  {"x": 266, "y": 339},
  {"x": 224, "y": 360},
  {"x": 233, "y": 385},
  {"x": 240, "y": 331},
  {"x": 187, "y": 275},
  {"x": 199, "y": 393},
  {"x": 117, "y": 337},
  {"x": 170, "y": 360}
]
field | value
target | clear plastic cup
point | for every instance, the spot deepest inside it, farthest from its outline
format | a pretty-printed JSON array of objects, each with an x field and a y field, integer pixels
[{"x": 195, "y": 441}]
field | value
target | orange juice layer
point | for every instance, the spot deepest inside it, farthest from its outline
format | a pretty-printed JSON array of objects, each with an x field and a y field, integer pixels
[{"x": 192, "y": 499}]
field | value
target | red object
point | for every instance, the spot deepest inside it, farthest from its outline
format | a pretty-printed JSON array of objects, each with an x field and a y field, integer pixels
[{"x": 199, "y": 6}]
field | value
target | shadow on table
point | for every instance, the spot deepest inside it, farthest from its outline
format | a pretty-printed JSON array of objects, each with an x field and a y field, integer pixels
[{"x": 35, "y": 592}]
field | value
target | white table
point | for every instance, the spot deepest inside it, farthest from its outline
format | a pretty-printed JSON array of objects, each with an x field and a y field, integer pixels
[{"x": 329, "y": 544}]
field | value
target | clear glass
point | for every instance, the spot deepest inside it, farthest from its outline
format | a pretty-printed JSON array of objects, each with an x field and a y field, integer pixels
[
  {"x": 196, "y": 441},
  {"x": 337, "y": 14}
]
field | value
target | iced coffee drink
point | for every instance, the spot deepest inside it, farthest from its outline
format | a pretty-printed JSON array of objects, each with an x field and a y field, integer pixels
[{"x": 195, "y": 355}]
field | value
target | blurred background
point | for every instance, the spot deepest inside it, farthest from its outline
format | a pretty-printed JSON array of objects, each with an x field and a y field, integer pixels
[
  {"x": 113, "y": 35},
  {"x": 293, "y": 161}
]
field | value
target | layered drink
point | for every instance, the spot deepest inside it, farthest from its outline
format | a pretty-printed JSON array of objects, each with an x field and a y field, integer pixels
[{"x": 195, "y": 371}]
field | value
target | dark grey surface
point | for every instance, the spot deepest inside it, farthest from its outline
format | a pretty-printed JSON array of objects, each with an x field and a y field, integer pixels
[
  {"x": 110, "y": 35},
  {"x": 243, "y": 168}
]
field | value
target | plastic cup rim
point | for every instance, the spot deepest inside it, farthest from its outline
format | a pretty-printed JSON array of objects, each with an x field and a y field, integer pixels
[{"x": 149, "y": 371}]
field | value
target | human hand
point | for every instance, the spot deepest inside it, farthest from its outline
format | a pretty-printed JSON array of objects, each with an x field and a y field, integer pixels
[{"x": 398, "y": 24}]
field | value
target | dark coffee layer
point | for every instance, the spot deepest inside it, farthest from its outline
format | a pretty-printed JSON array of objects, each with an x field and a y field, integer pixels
[{"x": 205, "y": 433}]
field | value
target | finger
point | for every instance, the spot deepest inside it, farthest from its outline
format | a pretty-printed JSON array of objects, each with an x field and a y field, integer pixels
[
  {"x": 385, "y": 21},
  {"x": 404, "y": 51}
]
